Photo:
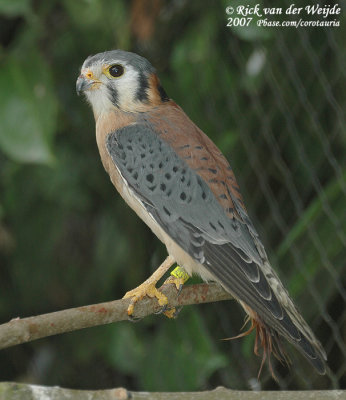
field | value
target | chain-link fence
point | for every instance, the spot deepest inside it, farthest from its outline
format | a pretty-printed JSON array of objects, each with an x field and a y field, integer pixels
[{"x": 287, "y": 109}]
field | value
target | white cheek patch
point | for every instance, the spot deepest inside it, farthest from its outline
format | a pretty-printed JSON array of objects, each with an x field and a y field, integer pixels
[
  {"x": 127, "y": 87},
  {"x": 99, "y": 99}
]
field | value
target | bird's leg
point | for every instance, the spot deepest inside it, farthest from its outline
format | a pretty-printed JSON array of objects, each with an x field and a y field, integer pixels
[
  {"x": 178, "y": 277},
  {"x": 148, "y": 288}
]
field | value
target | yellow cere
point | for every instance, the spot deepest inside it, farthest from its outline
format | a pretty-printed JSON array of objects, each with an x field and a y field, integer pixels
[{"x": 89, "y": 75}]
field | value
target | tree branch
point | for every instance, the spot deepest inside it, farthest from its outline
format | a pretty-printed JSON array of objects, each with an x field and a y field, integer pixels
[
  {"x": 27, "y": 329},
  {"x": 15, "y": 391}
]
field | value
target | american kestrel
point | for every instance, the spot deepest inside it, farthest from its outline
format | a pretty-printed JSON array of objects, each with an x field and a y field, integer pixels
[{"x": 179, "y": 183}]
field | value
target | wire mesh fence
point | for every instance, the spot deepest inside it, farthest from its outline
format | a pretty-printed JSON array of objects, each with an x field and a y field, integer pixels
[{"x": 289, "y": 156}]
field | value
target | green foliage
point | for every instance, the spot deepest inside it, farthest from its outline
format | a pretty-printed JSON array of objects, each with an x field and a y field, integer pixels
[
  {"x": 188, "y": 353},
  {"x": 184, "y": 360},
  {"x": 15, "y": 7},
  {"x": 27, "y": 109}
]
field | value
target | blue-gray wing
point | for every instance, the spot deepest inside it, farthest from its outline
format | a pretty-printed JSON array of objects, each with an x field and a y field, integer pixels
[
  {"x": 178, "y": 198},
  {"x": 186, "y": 209}
]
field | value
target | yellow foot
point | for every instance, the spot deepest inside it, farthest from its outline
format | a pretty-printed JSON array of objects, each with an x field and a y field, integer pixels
[
  {"x": 145, "y": 289},
  {"x": 171, "y": 313},
  {"x": 148, "y": 288}
]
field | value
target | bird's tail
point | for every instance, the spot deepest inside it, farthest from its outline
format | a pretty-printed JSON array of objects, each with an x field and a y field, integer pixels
[
  {"x": 292, "y": 326},
  {"x": 270, "y": 342},
  {"x": 267, "y": 340}
]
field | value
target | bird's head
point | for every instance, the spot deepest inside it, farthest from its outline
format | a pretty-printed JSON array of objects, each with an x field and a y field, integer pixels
[{"x": 120, "y": 80}]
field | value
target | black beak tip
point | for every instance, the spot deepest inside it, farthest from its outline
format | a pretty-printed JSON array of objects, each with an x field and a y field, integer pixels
[{"x": 80, "y": 85}]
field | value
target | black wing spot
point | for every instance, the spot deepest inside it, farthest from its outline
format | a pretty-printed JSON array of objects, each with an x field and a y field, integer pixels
[
  {"x": 150, "y": 178},
  {"x": 168, "y": 176},
  {"x": 166, "y": 211},
  {"x": 212, "y": 170},
  {"x": 129, "y": 169},
  {"x": 220, "y": 224},
  {"x": 183, "y": 196},
  {"x": 135, "y": 175},
  {"x": 183, "y": 171},
  {"x": 129, "y": 147},
  {"x": 188, "y": 183},
  {"x": 163, "y": 187},
  {"x": 204, "y": 195},
  {"x": 142, "y": 155},
  {"x": 205, "y": 158},
  {"x": 198, "y": 147},
  {"x": 175, "y": 169},
  {"x": 160, "y": 164},
  {"x": 212, "y": 226}
]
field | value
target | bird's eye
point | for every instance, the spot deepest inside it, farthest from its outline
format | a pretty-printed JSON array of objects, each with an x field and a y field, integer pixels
[{"x": 116, "y": 70}]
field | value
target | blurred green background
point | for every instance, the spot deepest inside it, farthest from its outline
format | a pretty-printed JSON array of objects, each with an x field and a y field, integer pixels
[{"x": 272, "y": 99}]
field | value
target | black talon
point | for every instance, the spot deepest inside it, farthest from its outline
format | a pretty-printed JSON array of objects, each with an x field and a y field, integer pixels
[
  {"x": 180, "y": 289},
  {"x": 161, "y": 310},
  {"x": 133, "y": 319}
]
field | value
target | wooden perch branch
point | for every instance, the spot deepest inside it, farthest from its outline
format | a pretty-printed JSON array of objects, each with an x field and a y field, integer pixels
[
  {"x": 15, "y": 391},
  {"x": 27, "y": 329}
]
